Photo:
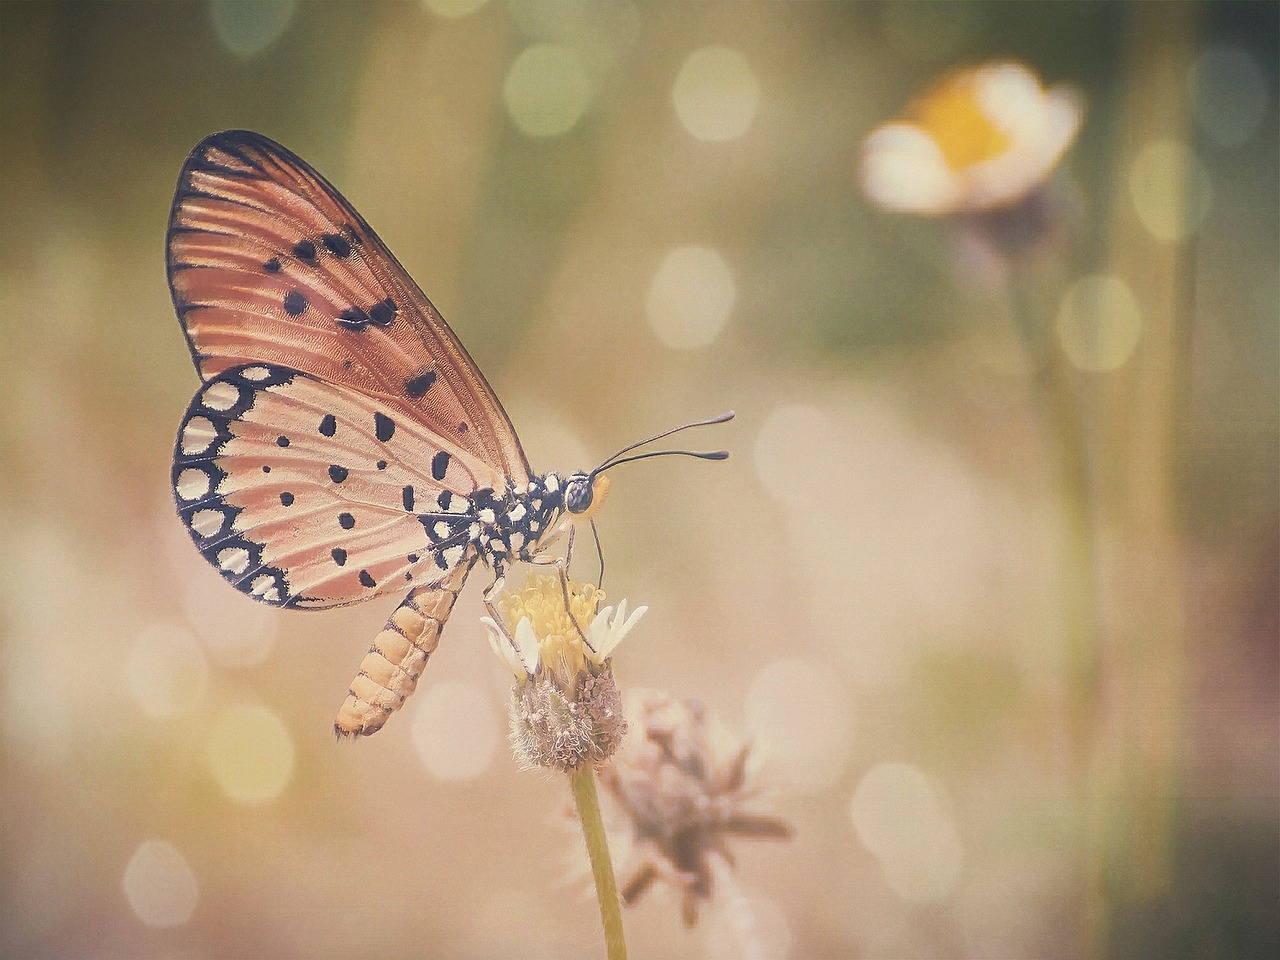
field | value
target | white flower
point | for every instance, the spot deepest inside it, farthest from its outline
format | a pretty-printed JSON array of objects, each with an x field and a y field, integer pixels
[
  {"x": 566, "y": 710},
  {"x": 606, "y": 631},
  {"x": 549, "y": 634},
  {"x": 981, "y": 138}
]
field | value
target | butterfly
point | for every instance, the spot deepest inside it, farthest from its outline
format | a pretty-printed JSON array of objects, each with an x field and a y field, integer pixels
[{"x": 343, "y": 445}]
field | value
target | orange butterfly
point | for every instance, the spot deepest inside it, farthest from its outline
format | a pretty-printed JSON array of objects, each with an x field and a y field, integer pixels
[{"x": 343, "y": 444}]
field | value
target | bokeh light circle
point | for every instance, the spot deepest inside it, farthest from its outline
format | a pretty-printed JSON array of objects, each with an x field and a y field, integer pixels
[
  {"x": 801, "y": 714},
  {"x": 166, "y": 671},
  {"x": 233, "y": 629},
  {"x": 547, "y": 90},
  {"x": 795, "y": 458},
  {"x": 716, "y": 94},
  {"x": 250, "y": 753},
  {"x": 901, "y": 818},
  {"x": 1229, "y": 94},
  {"x": 455, "y": 730},
  {"x": 691, "y": 297},
  {"x": 158, "y": 883},
  {"x": 1171, "y": 189},
  {"x": 1099, "y": 323},
  {"x": 248, "y": 27}
]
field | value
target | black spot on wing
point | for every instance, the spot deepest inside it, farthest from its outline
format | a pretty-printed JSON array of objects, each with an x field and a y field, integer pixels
[
  {"x": 337, "y": 474},
  {"x": 339, "y": 556},
  {"x": 272, "y": 265},
  {"x": 294, "y": 303},
  {"x": 367, "y": 580},
  {"x": 353, "y": 318},
  {"x": 337, "y": 244},
  {"x": 346, "y": 521},
  {"x": 439, "y": 464},
  {"x": 407, "y": 494},
  {"x": 417, "y": 386},
  {"x": 329, "y": 425},
  {"x": 286, "y": 499},
  {"x": 383, "y": 426},
  {"x": 382, "y": 313},
  {"x": 305, "y": 250}
]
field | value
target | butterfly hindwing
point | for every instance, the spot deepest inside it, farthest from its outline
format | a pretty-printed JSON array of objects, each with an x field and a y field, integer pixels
[
  {"x": 268, "y": 263},
  {"x": 305, "y": 494}
]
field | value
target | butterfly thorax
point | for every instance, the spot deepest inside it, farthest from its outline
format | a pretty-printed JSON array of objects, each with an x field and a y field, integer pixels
[{"x": 509, "y": 525}]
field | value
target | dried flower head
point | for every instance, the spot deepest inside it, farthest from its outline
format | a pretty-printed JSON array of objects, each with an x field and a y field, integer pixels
[
  {"x": 981, "y": 138},
  {"x": 682, "y": 783},
  {"x": 555, "y": 638}
]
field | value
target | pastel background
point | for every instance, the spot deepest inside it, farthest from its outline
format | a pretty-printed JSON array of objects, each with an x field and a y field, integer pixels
[{"x": 636, "y": 214}]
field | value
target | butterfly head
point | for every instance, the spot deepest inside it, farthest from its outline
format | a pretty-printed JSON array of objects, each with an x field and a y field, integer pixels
[{"x": 585, "y": 493}]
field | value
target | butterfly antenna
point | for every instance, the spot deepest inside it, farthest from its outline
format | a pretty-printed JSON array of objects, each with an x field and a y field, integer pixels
[{"x": 618, "y": 458}]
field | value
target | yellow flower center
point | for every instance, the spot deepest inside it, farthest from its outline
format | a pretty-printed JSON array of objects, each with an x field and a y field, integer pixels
[
  {"x": 953, "y": 116},
  {"x": 542, "y": 601}
]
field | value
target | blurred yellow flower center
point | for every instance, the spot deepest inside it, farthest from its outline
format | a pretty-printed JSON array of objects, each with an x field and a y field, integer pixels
[
  {"x": 542, "y": 602},
  {"x": 953, "y": 116}
]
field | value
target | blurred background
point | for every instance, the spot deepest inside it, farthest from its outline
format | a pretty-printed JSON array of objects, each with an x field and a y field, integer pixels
[{"x": 1007, "y": 652}]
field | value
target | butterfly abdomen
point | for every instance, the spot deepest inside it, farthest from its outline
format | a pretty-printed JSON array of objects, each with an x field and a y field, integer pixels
[{"x": 398, "y": 655}]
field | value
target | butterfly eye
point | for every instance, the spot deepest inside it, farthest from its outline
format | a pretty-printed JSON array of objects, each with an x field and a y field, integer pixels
[{"x": 577, "y": 494}]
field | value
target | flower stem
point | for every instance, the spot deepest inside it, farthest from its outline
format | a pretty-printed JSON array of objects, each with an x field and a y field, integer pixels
[
  {"x": 1078, "y": 574},
  {"x": 583, "y": 782}
]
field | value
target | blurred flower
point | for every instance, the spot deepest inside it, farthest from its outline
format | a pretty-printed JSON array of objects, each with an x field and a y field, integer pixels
[
  {"x": 981, "y": 138},
  {"x": 566, "y": 711},
  {"x": 681, "y": 783}
]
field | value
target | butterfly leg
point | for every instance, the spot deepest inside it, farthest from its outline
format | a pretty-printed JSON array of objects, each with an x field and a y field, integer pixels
[
  {"x": 494, "y": 612},
  {"x": 391, "y": 668}
]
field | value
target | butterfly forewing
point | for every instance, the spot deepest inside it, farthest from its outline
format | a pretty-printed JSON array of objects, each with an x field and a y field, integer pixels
[
  {"x": 306, "y": 494},
  {"x": 268, "y": 263}
]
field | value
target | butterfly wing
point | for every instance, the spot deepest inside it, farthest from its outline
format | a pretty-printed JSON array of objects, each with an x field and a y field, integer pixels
[
  {"x": 268, "y": 263},
  {"x": 305, "y": 494}
]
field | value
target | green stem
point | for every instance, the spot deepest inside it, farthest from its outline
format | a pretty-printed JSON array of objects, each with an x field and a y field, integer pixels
[
  {"x": 1078, "y": 576},
  {"x": 583, "y": 782}
]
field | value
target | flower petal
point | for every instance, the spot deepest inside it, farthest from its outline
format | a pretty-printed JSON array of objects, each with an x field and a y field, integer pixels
[
  {"x": 903, "y": 169},
  {"x": 632, "y": 620},
  {"x": 501, "y": 647},
  {"x": 527, "y": 645}
]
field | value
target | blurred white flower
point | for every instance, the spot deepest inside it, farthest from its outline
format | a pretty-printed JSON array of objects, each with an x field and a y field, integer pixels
[{"x": 981, "y": 138}]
